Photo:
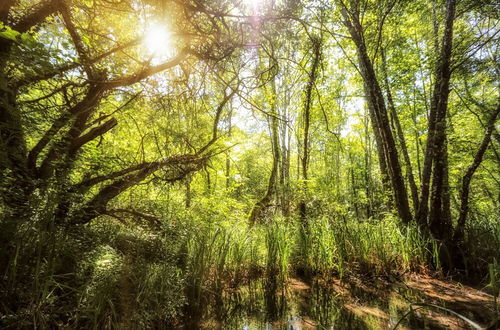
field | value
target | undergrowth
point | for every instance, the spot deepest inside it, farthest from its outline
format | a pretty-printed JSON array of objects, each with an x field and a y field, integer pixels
[{"x": 111, "y": 275}]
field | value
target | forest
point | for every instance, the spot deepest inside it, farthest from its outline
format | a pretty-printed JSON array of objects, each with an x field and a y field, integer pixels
[{"x": 249, "y": 164}]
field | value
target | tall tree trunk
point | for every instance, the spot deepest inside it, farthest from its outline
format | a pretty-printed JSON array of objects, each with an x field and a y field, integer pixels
[
  {"x": 285, "y": 159},
  {"x": 354, "y": 188},
  {"x": 189, "y": 195},
  {"x": 435, "y": 159},
  {"x": 378, "y": 112},
  {"x": 368, "y": 181},
  {"x": 313, "y": 74},
  {"x": 228, "y": 159},
  {"x": 264, "y": 203},
  {"x": 400, "y": 135},
  {"x": 418, "y": 141}
]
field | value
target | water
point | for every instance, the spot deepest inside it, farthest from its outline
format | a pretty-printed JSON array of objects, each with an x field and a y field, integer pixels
[{"x": 353, "y": 304}]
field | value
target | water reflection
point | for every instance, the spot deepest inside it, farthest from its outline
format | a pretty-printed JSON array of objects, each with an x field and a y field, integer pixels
[
  {"x": 264, "y": 304},
  {"x": 270, "y": 305}
]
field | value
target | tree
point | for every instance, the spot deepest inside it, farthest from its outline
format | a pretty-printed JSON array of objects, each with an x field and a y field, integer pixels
[
  {"x": 435, "y": 152},
  {"x": 388, "y": 154},
  {"x": 308, "y": 102},
  {"x": 67, "y": 86}
]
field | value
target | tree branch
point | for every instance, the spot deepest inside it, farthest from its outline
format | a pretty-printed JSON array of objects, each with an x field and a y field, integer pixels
[
  {"x": 180, "y": 165},
  {"x": 218, "y": 114},
  {"x": 146, "y": 72},
  {"x": 77, "y": 41},
  {"x": 467, "y": 178},
  {"x": 153, "y": 219},
  {"x": 46, "y": 138},
  {"x": 43, "y": 10},
  {"x": 71, "y": 66},
  {"x": 92, "y": 134}
]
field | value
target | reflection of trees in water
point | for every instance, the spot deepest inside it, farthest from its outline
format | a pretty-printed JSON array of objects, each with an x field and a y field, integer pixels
[
  {"x": 268, "y": 302},
  {"x": 321, "y": 306},
  {"x": 325, "y": 307},
  {"x": 275, "y": 300}
]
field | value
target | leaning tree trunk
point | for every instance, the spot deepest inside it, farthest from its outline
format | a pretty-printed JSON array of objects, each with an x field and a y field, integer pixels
[{"x": 466, "y": 180}]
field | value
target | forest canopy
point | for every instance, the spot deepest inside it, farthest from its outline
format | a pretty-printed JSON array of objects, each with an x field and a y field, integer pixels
[{"x": 154, "y": 151}]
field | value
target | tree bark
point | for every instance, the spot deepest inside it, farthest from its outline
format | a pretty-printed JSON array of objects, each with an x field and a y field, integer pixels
[
  {"x": 285, "y": 157},
  {"x": 263, "y": 204},
  {"x": 228, "y": 158}
]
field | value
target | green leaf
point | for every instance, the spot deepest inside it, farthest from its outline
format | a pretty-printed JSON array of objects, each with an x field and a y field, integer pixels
[
  {"x": 8, "y": 33},
  {"x": 86, "y": 40}
]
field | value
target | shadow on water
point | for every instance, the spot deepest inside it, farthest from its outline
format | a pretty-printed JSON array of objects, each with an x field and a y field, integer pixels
[{"x": 354, "y": 304}]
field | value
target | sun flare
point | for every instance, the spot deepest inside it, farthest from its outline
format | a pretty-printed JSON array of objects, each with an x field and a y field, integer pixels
[
  {"x": 158, "y": 41},
  {"x": 254, "y": 4}
]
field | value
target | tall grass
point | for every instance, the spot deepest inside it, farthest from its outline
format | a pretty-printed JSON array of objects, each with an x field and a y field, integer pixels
[
  {"x": 221, "y": 256},
  {"x": 279, "y": 239},
  {"x": 98, "y": 300},
  {"x": 159, "y": 297},
  {"x": 319, "y": 249},
  {"x": 326, "y": 245},
  {"x": 494, "y": 283},
  {"x": 231, "y": 254},
  {"x": 109, "y": 275},
  {"x": 482, "y": 243}
]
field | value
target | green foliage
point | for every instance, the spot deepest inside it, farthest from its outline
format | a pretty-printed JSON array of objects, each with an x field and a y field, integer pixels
[
  {"x": 494, "y": 283},
  {"x": 159, "y": 294},
  {"x": 481, "y": 247},
  {"x": 318, "y": 251}
]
